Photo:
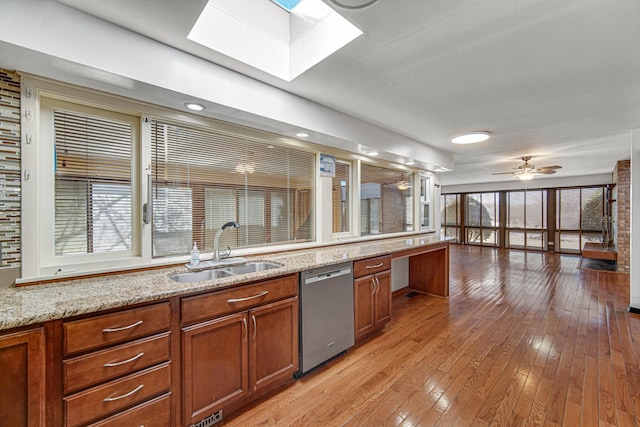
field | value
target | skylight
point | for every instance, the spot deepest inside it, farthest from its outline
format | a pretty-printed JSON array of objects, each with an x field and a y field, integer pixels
[
  {"x": 287, "y": 5},
  {"x": 264, "y": 35}
]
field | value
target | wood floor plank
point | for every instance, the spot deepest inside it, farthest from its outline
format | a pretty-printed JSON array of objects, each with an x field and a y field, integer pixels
[{"x": 525, "y": 338}]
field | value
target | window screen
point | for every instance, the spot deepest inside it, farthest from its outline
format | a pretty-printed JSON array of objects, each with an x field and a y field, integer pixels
[
  {"x": 204, "y": 178},
  {"x": 93, "y": 207}
]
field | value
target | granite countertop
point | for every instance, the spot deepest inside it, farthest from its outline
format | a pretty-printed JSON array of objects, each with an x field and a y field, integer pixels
[{"x": 39, "y": 303}]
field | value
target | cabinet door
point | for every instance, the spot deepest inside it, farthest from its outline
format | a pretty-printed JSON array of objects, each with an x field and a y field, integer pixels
[
  {"x": 382, "y": 299},
  {"x": 214, "y": 365},
  {"x": 22, "y": 361},
  {"x": 274, "y": 343},
  {"x": 363, "y": 294}
]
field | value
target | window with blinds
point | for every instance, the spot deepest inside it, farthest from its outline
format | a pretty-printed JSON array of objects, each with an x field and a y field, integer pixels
[
  {"x": 204, "y": 178},
  {"x": 386, "y": 200},
  {"x": 340, "y": 197},
  {"x": 93, "y": 192}
]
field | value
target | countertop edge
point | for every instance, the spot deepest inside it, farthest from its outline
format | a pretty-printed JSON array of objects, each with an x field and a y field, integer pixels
[{"x": 29, "y": 305}]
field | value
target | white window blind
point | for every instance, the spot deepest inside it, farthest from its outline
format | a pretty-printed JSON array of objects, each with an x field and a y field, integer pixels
[
  {"x": 386, "y": 200},
  {"x": 228, "y": 176},
  {"x": 93, "y": 207},
  {"x": 340, "y": 197}
]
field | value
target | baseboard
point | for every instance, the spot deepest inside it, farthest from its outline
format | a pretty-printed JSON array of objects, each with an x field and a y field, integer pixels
[{"x": 634, "y": 310}]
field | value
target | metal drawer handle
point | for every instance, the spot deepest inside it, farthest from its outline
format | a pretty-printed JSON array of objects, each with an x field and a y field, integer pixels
[
  {"x": 124, "y": 328},
  {"x": 261, "y": 294},
  {"x": 255, "y": 327},
  {"x": 112, "y": 364},
  {"x": 374, "y": 266},
  {"x": 135, "y": 390}
]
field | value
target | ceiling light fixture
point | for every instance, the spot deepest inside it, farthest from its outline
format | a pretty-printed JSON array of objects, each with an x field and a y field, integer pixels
[
  {"x": 410, "y": 163},
  {"x": 302, "y": 134},
  {"x": 372, "y": 153},
  {"x": 527, "y": 175},
  {"x": 403, "y": 185},
  {"x": 194, "y": 107},
  {"x": 471, "y": 138},
  {"x": 352, "y": 4}
]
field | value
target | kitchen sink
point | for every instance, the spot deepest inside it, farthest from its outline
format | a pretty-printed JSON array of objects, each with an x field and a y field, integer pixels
[
  {"x": 201, "y": 276},
  {"x": 219, "y": 273},
  {"x": 252, "y": 267}
]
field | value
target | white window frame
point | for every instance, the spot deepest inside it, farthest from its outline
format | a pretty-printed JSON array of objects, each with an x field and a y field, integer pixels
[
  {"x": 420, "y": 201},
  {"x": 38, "y": 186}
]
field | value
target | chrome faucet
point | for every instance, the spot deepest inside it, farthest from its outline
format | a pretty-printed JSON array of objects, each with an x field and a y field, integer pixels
[{"x": 216, "y": 240}]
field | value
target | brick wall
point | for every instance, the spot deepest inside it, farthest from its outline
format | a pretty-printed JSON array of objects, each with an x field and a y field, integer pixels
[
  {"x": 10, "y": 168},
  {"x": 622, "y": 214}
]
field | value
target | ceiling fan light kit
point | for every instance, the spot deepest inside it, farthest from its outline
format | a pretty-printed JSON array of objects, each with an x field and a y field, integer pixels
[{"x": 471, "y": 137}]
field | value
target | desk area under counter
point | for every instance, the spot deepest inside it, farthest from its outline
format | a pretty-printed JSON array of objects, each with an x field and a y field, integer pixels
[{"x": 40, "y": 313}]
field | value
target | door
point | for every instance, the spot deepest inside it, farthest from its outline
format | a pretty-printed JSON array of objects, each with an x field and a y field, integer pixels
[
  {"x": 382, "y": 299},
  {"x": 363, "y": 291},
  {"x": 214, "y": 365},
  {"x": 274, "y": 342},
  {"x": 22, "y": 361}
]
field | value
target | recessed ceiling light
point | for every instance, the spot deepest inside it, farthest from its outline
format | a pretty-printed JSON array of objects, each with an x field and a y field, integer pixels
[
  {"x": 302, "y": 135},
  {"x": 471, "y": 138},
  {"x": 194, "y": 107},
  {"x": 410, "y": 163},
  {"x": 373, "y": 153}
]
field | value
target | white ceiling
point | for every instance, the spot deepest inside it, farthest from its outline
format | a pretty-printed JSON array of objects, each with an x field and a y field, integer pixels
[{"x": 559, "y": 81}]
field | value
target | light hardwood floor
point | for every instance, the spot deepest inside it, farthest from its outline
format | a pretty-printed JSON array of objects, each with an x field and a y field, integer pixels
[{"x": 525, "y": 338}]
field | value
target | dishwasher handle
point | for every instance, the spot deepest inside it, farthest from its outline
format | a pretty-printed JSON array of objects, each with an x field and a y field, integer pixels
[{"x": 326, "y": 276}]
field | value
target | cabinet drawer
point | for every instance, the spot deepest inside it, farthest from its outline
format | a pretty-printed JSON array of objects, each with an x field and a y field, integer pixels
[
  {"x": 207, "y": 306},
  {"x": 109, "y": 398},
  {"x": 154, "y": 413},
  {"x": 371, "y": 265},
  {"x": 87, "y": 370},
  {"x": 87, "y": 334}
]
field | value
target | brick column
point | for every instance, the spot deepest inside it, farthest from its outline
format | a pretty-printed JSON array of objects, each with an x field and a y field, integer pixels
[{"x": 622, "y": 214}]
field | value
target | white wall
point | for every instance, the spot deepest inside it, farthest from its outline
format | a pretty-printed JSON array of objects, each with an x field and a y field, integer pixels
[{"x": 634, "y": 277}]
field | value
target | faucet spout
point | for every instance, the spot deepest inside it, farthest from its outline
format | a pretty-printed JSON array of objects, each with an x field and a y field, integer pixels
[{"x": 216, "y": 240}]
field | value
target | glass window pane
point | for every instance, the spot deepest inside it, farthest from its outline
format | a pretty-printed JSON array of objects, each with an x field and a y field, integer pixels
[
  {"x": 534, "y": 210},
  {"x": 535, "y": 240},
  {"x": 474, "y": 209},
  {"x": 235, "y": 174},
  {"x": 516, "y": 239},
  {"x": 172, "y": 222},
  {"x": 386, "y": 199},
  {"x": 569, "y": 209},
  {"x": 340, "y": 197},
  {"x": 93, "y": 206},
  {"x": 516, "y": 209},
  {"x": 570, "y": 242},
  {"x": 592, "y": 209},
  {"x": 280, "y": 219}
]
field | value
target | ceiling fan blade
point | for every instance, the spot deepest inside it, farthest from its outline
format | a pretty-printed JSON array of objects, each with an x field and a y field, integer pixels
[
  {"x": 549, "y": 168},
  {"x": 503, "y": 173},
  {"x": 545, "y": 171}
]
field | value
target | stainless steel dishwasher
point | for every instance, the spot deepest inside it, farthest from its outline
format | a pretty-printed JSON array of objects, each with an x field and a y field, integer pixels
[{"x": 326, "y": 314}]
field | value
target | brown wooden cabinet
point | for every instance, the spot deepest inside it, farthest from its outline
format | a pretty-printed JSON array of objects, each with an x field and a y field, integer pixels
[
  {"x": 229, "y": 360},
  {"x": 117, "y": 367},
  {"x": 22, "y": 378},
  {"x": 372, "y": 296}
]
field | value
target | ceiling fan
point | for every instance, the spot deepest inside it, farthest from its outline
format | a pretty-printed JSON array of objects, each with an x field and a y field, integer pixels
[{"x": 527, "y": 171}]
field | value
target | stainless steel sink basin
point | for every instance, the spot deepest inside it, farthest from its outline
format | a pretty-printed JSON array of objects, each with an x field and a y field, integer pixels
[
  {"x": 201, "y": 276},
  {"x": 252, "y": 267},
  {"x": 218, "y": 273}
]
